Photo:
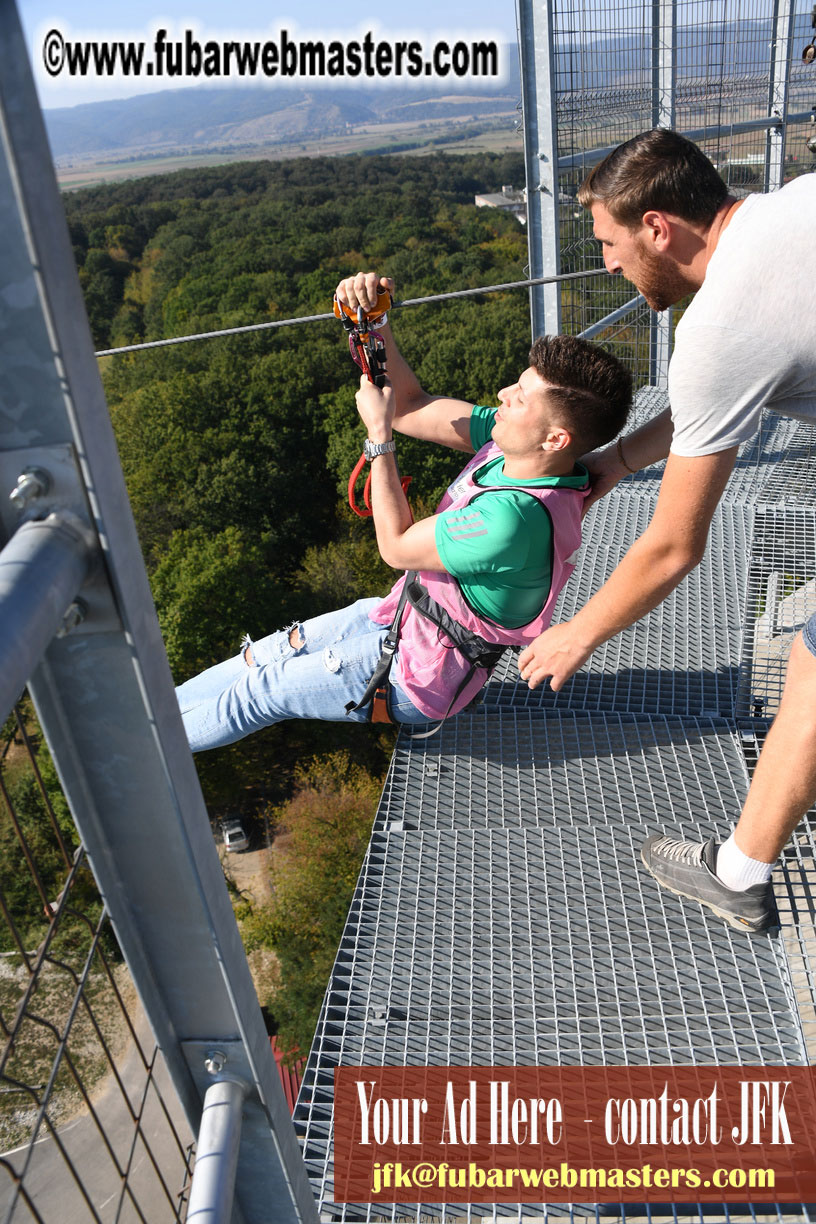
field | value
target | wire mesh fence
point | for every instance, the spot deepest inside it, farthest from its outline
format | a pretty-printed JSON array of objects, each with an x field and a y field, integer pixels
[
  {"x": 90, "y": 1128},
  {"x": 781, "y": 598},
  {"x": 719, "y": 70}
]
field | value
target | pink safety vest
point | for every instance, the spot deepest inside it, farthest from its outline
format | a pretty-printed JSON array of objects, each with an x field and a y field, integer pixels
[{"x": 430, "y": 668}]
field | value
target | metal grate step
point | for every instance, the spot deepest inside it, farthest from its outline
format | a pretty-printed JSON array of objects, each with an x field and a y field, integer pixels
[
  {"x": 528, "y": 768},
  {"x": 548, "y": 946},
  {"x": 683, "y": 658},
  {"x": 774, "y": 467},
  {"x": 503, "y": 917}
]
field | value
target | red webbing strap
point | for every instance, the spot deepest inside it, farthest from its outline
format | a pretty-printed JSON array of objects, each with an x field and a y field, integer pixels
[
  {"x": 352, "y": 484},
  {"x": 353, "y": 478}
]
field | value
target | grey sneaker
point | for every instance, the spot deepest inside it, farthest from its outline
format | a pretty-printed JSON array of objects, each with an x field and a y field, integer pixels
[{"x": 688, "y": 869}]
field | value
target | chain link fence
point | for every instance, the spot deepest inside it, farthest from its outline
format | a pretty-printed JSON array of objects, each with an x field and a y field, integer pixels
[
  {"x": 90, "y": 1128},
  {"x": 728, "y": 73}
]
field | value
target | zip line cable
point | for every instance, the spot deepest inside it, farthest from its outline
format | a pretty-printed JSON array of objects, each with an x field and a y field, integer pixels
[{"x": 420, "y": 301}]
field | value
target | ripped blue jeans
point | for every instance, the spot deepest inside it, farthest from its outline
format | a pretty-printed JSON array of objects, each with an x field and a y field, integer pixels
[{"x": 309, "y": 670}]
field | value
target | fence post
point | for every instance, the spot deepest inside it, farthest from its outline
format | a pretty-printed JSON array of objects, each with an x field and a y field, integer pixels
[
  {"x": 104, "y": 694},
  {"x": 535, "y": 22}
]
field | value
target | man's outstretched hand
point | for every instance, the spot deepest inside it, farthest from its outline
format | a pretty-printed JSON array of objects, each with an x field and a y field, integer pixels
[{"x": 554, "y": 653}]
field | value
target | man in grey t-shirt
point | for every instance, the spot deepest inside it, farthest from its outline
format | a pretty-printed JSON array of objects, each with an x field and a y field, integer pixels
[{"x": 748, "y": 341}]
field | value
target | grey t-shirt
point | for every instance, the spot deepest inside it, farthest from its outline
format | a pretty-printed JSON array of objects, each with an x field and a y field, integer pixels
[{"x": 748, "y": 339}]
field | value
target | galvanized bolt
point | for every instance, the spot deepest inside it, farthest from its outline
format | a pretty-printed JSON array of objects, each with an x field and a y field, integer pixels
[
  {"x": 33, "y": 482},
  {"x": 215, "y": 1061},
  {"x": 74, "y": 616}
]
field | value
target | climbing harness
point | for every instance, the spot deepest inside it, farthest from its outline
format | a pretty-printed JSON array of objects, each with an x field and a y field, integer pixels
[
  {"x": 377, "y": 688},
  {"x": 367, "y": 349},
  {"x": 477, "y": 651}
]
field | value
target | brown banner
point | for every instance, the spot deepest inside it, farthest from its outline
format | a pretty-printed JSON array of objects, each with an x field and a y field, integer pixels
[{"x": 575, "y": 1134}]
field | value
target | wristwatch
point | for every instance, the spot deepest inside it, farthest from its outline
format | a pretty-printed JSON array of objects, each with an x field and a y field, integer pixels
[{"x": 372, "y": 449}]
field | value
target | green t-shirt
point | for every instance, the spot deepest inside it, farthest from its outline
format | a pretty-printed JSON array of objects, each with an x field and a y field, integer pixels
[{"x": 499, "y": 547}]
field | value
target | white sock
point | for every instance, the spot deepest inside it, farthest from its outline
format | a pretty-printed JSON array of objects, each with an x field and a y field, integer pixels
[{"x": 737, "y": 871}]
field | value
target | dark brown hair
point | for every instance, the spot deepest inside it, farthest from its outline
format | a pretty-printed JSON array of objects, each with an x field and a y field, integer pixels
[
  {"x": 591, "y": 388},
  {"x": 657, "y": 169}
]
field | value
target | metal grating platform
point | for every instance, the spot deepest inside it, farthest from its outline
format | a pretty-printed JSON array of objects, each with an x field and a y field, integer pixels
[
  {"x": 503, "y": 915},
  {"x": 471, "y": 925},
  {"x": 528, "y": 769},
  {"x": 774, "y": 467},
  {"x": 554, "y": 1213},
  {"x": 461, "y": 946},
  {"x": 683, "y": 658},
  {"x": 460, "y": 950}
]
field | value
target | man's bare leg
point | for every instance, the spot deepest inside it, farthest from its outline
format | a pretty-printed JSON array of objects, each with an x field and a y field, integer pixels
[
  {"x": 784, "y": 782},
  {"x": 734, "y": 879}
]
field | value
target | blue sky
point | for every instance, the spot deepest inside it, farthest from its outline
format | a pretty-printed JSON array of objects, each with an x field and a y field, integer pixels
[{"x": 241, "y": 19}]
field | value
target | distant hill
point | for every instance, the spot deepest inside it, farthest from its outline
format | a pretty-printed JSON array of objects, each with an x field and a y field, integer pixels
[
  {"x": 197, "y": 119},
  {"x": 232, "y": 121}
]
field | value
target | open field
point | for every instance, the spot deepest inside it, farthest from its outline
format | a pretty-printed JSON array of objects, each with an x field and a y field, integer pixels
[{"x": 462, "y": 135}]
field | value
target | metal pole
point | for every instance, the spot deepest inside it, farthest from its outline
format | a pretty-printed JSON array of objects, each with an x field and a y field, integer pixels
[
  {"x": 613, "y": 317},
  {"x": 664, "y": 39},
  {"x": 104, "y": 694},
  {"x": 42, "y": 569},
  {"x": 536, "y": 47},
  {"x": 216, "y": 1163},
  {"x": 781, "y": 47}
]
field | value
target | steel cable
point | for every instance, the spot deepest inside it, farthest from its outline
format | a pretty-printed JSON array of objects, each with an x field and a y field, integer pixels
[{"x": 420, "y": 301}]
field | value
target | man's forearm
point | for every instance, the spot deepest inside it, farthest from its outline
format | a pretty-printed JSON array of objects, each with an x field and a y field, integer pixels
[
  {"x": 648, "y": 572},
  {"x": 408, "y": 393},
  {"x": 649, "y": 443},
  {"x": 392, "y": 514},
  {"x": 671, "y": 546}
]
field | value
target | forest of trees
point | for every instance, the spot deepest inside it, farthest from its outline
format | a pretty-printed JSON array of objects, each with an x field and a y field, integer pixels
[{"x": 236, "y": 451}]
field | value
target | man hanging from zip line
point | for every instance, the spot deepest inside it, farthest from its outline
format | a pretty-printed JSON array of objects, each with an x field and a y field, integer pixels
[
  {"x": 666, "y": 222},
  {"x": 484, "y": 572}
]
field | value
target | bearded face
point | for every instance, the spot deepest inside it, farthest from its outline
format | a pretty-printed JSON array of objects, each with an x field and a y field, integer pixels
[
  {"x": 627, "y": 252},
  {"x": 658, "y": 278}
]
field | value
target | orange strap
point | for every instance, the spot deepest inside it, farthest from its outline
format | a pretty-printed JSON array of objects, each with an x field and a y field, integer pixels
[{"x": 379, "y": 707}]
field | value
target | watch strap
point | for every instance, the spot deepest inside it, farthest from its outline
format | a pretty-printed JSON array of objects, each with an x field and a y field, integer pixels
[{"x": 372, "y": 449}]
